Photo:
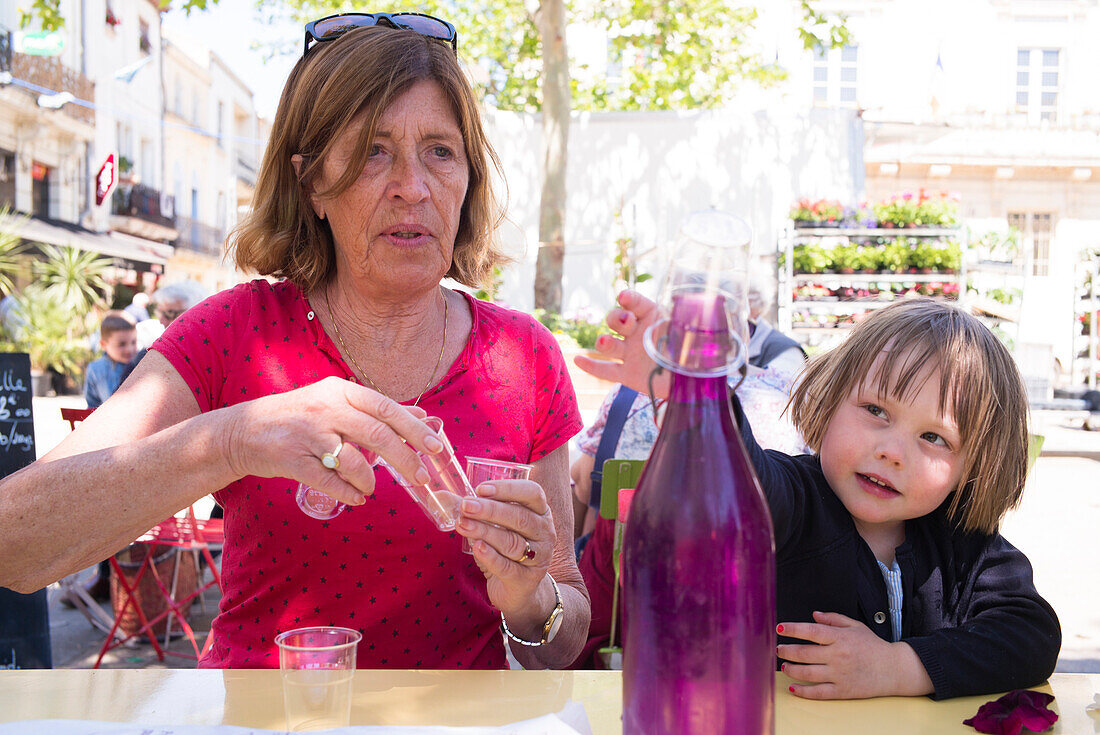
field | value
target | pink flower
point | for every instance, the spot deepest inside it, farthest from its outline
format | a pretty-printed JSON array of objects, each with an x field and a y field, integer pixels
[{"x": 1019, "y": 709}]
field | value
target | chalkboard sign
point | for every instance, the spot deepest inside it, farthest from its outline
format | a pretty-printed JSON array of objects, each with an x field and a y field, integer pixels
[
  {"x": 24, "y": 619},
  {"x": 16, "y": 415}
]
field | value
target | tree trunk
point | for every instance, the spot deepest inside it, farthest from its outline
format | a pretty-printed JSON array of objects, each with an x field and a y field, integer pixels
[{"x": 556, "y": 103}]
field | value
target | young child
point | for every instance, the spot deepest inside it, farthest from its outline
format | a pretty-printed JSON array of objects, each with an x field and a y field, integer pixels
[
  {"x": 892, "y": 577},
  {"x": 118, "y": 340}
]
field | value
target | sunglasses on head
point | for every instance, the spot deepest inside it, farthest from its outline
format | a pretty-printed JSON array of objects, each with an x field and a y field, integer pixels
[{"x": 334, "y": 26}]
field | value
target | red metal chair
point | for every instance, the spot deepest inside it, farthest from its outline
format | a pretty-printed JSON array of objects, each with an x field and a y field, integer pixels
[
  {"x": 75, "y": 415},
  {"x": 184, "y": 532}
]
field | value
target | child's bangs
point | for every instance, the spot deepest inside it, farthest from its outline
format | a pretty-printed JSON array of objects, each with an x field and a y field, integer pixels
[{"x": 912, "y": 352}]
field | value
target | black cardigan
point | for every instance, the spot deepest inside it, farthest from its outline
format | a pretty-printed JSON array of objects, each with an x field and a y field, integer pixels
[{"x": 970, "y": 610}]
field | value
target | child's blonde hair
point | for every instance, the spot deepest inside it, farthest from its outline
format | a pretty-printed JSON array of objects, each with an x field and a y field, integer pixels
[
  {"x": 116, "y": 321},
  {"x": 979, "y": 381}
]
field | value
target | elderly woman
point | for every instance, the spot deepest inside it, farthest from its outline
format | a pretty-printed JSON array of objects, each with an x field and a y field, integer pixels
[{"x": 374, "y": 187}]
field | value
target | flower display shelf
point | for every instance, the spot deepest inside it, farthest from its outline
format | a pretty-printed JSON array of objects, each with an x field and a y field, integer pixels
[{"x": 819, "y": 308}]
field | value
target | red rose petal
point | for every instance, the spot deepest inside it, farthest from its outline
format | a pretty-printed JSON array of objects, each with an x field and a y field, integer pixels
[{"x": 1009, "y": 715}]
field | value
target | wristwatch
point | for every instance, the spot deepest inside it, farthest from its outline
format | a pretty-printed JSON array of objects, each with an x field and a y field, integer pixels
[{"x": 549, "y": 628}]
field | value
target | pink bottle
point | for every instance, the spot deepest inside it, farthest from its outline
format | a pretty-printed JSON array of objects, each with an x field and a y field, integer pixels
[{"x": 699, "y": 555}]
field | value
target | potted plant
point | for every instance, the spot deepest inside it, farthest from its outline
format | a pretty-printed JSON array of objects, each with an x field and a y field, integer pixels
[
  {"x": 53, "y": 316},
  {"x": 924, "y": 257},
  {"x": 802, "y": 214},
  {"x": 868, "y": 258},
  {"x": 46, "y": 330},
  {"x": 950, "y": 257},
  {"x": 894, "y": 256},
  {"x": 997, "y": 247},
  {"x": 844, "y": 258},
  {"x": 809, "y": 258},
  {"x": 937, "y": 210},
  {"x": 900, "y": 210},
  {"x": 820, "y": 213},
  {"x": 828, "y": 212}
]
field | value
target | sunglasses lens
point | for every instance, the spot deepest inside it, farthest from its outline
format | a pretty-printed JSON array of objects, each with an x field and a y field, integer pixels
[
  {"x": 332, "y": 27},
  {"x": 424, "y": 25}
]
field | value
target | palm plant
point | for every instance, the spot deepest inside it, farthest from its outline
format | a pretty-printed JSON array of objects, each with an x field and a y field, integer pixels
[
  {"x": 12, "y": 250},
  {"x": 76, "y": 278},
  {"x": 50, "y": 333},
  {"x": 52, "y": 317}
]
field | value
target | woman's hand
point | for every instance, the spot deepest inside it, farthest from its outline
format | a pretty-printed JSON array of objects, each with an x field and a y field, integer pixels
[
  {"x": 848, "y": 661},
  {"x": 507, "y": 518},
  {"x": 625, "y": 359},
  {"x": 285, "y": 435}
]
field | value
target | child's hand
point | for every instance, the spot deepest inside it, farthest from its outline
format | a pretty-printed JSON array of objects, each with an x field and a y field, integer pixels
[{"x": 849, "y": 661}]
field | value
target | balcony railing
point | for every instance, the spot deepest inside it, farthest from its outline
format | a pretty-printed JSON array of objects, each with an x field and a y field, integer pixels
[
  {"x": 199, "y": 237},
  {"x": 48, "y": 72},
  {"x": 246, "y": 170},
  {"x": 143, "y": 202}
]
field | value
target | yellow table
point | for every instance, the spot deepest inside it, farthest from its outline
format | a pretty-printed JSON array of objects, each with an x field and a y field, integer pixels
[{"x": 254, "y": 699}]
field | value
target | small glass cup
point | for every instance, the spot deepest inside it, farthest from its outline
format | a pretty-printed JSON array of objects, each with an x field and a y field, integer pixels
[
  {"x": 481, "y": 469},
  {"x": 441, "y": 497},
  {"x": 317, "y": 664}
]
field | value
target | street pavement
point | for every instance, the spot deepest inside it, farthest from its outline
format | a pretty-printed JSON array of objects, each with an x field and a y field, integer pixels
[{"x": 1057, "y": 525}]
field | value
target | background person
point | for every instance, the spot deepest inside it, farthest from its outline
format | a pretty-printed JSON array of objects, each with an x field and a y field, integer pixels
[
  {"x": 169, "y": 301},
  {"x": 103, "y": 376},
  {"x": 118, "y": 340},
  {"x": 774, "y": 363},
  {"x": 375, "y": 186},
  {"x": 137, "y": 307}
]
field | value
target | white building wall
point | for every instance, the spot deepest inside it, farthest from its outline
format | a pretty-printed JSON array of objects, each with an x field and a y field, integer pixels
[
  {"x": 202, "y": 154},
  {"x": 657, "y": 167}
]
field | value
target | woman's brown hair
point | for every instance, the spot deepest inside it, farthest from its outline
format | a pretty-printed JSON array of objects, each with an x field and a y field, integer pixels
[
  {"x": 359, "y": 74},
  {"x": 979, "y": 382}
]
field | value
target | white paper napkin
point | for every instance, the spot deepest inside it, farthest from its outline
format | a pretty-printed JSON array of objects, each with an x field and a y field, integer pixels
[{"x": 572, "y": 720}]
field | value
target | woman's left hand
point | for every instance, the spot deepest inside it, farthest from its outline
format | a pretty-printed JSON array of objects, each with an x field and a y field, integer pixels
[{"x": 511, "y": 530}]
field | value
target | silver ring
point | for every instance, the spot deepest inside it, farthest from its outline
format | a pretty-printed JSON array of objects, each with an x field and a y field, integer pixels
[
  {"x": 331, "y": 460},
  {"x": 528, "y": 553}
]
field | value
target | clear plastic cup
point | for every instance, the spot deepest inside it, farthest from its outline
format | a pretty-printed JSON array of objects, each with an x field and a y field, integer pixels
[
  {"x": 317, "y": 665},
  {"x": 441, "y": 497},
  {"x": 323, "y": 506},
  {"x": 482, "y": 469}
]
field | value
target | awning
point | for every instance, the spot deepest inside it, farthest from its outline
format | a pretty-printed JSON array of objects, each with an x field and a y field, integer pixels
[{"x": 111, "y": 244}]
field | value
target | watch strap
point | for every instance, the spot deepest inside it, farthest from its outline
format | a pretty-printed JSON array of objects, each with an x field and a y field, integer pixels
[{"x": 545, "y": 626}]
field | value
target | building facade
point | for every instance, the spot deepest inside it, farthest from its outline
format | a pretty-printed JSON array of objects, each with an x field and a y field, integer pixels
[
  {"x": 67, "y": 104},
  {"x": 177, "y": 122},
  {"x": 995, "y": 101},
  {"x": 213, "y": 148}
]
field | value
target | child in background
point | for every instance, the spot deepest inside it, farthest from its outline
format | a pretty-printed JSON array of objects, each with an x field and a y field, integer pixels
[
  {"x": 118, "y": 340},
  {"x": 892, "y": 578}
]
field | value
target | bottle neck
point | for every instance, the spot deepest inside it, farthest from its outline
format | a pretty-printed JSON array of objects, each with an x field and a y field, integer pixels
[{"x": 690, "y": 389}]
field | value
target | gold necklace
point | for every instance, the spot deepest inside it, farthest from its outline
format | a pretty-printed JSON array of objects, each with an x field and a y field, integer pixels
[{"x": 339, "y": 337}]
